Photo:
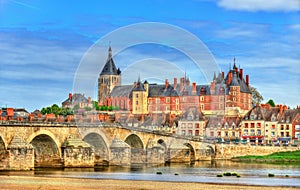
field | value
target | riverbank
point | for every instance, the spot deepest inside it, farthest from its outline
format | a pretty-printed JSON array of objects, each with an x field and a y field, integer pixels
[
  {"x": 278, "y": 157},
  {"x": 45, "y": 183}
]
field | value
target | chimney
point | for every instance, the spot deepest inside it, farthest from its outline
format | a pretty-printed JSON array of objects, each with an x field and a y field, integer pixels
[
  {"x": 247, "y": 80},
  {"x": 181, "y": 84},
  {"x": 222, "y": 74},
  {"x": 194, "y": 88},
  {"x": 70, "y": 97},
  {"x": 229, "y": 78},
  {"x": 285, "y": 108},
  {"x": 167, "y": 83},
  {"x": 175, "y": 83},
  {"x": 89, "y": 100},
  {"x": 241, "y": 74},
  {"x": 280, "y": 109}
]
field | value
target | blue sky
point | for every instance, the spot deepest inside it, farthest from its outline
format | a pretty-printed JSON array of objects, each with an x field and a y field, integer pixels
[{"x": 43, "y": 42}]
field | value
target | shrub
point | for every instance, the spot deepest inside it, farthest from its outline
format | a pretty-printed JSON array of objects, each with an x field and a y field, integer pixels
[
  {"x": 238, "y": 175},
  {"x": 227, "y": 174},
  {"x": 271, "y": 175},
  {"x": 176, "y": 174},
  {"x": 219, "y": 175},
  {"x": 159, "y": 172},
  {"x": 234, "y": 174}
]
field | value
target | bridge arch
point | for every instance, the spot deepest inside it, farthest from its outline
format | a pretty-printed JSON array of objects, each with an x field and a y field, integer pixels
[
  {"x": 2, "y": 147},
  {"x": 48, "y": 133},
  {"x": 100, "y": 147},
  {"x": 46, "y": 151},
  {"x": 134, "y": 141},
  {"x": 210, "y": 151},
  {"x": 191, "y": 152}
]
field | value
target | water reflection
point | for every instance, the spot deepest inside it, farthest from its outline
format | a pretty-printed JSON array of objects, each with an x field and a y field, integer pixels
[{"x": 204, "y": 171}]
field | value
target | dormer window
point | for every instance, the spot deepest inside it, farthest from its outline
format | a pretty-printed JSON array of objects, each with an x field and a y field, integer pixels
[
  {"x": 246, "y": 118},
  {"x": 252, "y": 117},
  {"x": 272, "y": 119}
]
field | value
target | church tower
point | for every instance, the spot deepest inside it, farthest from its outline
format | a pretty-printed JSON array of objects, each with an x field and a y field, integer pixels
[{"x": 108, "y": 78}]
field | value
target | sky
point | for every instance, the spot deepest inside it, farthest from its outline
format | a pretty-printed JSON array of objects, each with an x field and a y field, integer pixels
[{"x": 44, "y": 43}]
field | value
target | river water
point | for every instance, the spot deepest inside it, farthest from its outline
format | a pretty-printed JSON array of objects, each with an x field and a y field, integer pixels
[{"x": 205, "y": 171}]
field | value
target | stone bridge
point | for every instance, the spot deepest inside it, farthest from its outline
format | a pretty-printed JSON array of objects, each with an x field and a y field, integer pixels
[{"x": 24, "y": 146}]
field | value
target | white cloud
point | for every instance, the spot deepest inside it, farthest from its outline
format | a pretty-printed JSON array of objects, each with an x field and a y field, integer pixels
[{"x": 259, "y": 5}]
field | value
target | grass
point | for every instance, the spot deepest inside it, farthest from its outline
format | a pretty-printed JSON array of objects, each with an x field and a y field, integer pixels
[{"x": 289, "y": 156}]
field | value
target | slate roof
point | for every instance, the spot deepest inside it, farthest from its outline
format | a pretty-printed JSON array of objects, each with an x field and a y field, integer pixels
[
  {"x": 110, "y": 67},
  {"x": 192, "y": 114},
  {"x": 76, "y": 98},
  {"x": 237, "y": 81},
  {"x": 156, "y": 90},
  {"x": 121, "y": 91}
]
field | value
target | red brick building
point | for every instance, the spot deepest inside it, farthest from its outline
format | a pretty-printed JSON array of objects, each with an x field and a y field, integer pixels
[{"x": 228, "y": 95}]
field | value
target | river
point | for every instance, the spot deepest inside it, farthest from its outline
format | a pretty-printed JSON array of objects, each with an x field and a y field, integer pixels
[{"x": 204, "y": 171}]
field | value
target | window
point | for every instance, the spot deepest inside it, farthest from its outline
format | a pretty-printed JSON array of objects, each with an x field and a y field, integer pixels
[
  {"x": 137, "y": 95},
  {"x": 157, "y": 100},
  {"x": 177, "y": 101},
  {"x": 252, "y": 132},
  {"x": 190, "y": 132},
  {"x": 183, "y": 132},
  {"x": 190, "y": 125},
  {"x": 297, "y": 127},
  {"x": 273, "y": 126},
  {"x": 183, "y": 125},
  {"x": 252, "y": 125},
  {"x": 245, "y": 132},
  {"x": 149, "y": 100},
  {"x": 272, "y": 133},
  {"x": 202, "y": 106},
  {"x": 258, "y": 132},
  {"x": 197, "y": 125},
  {"x": 168, "y": 99},
  {"x": 297, "y": 135},
  {"x": 136, "y": 102},
  {"x": 177, "y": 107},
  {"x": 201, "y": 98},
  {"x": 212, "y": 134},
  {"x": 233, "y": 134},
  {"x": 167, "y": 108},
  {"x": 246, "y": 125},
  {"x": 197, "y": 132}
]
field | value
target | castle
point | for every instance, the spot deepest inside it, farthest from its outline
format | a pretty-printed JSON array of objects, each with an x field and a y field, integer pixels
[{"x": 230, "y": 95}]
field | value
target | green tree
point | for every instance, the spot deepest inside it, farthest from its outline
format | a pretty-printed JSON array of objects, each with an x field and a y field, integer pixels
[
  {"x": 257, "y": 98},
  {"x": 110, "y": 108},
  {"x": 271, "y": 103}
]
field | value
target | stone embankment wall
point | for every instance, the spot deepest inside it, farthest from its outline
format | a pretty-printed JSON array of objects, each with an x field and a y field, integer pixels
[{"x": 228, "y": 151}]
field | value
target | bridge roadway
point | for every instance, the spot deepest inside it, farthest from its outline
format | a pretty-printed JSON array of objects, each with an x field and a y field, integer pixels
[{"x": 109, "y": 143}]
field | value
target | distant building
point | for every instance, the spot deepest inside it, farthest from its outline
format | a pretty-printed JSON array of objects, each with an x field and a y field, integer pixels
[
  {"x": 191, "y": 123},
  {"x": 108, "y": 78},
  {"x": 271, "y": 124},
  {"x": 77, "y": 100}
]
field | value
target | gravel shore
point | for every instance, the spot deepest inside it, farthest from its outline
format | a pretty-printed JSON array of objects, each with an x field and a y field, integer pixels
[{"x": 40, "y": 183}]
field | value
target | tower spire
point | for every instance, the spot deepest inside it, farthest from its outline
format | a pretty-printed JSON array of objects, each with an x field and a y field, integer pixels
[{"x": 109, "y": 52}]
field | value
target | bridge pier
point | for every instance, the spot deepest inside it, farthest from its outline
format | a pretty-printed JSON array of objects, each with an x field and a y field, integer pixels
[
  {"x": 120, "y": 153},
  {"x": 20, "y": 155},
  {"x": 77, "y": 153}
]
